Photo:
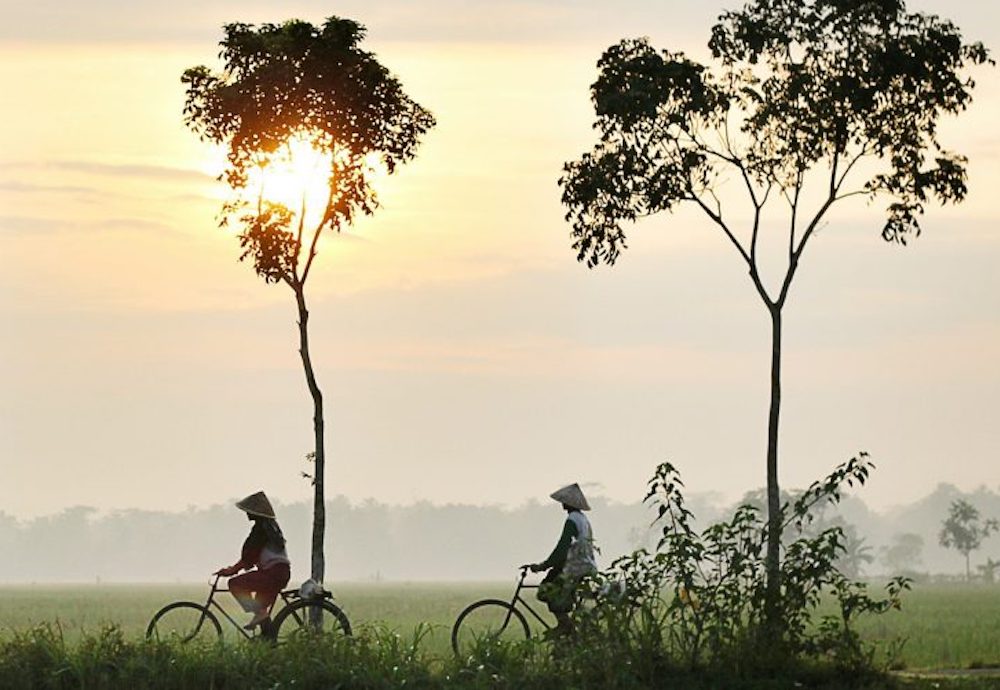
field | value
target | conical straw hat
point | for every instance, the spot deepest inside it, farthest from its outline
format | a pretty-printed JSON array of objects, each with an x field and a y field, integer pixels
[
  {"x": 256, "y": 504},
  {"x": 572, "y": 496}
]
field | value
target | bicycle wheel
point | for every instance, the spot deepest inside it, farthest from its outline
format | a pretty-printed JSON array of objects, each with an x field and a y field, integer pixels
[
  {"x": 184, "y": 621},
  {"x": 309, "y": 617},
  {"x": 487, "y": 621}
]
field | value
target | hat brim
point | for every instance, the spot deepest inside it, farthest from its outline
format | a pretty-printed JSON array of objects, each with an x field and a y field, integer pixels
[
  {"x": 258, "y": 513},
  {"x": 256, "y": 504},
  {"x": 571, "y": 496}
]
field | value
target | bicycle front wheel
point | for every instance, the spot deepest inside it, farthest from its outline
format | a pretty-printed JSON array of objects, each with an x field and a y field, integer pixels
[
  {"x": 184, "y": 621},
  {"x": 310, "y": 617},
  {"x": 488, "y": 621}
]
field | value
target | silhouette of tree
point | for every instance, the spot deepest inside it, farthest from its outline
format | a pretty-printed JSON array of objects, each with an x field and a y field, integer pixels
[
  {"x": 856, "y": 554},
  {"x": 903, "y": 555},
  {"x": 297, "y": 82},
  {"x": 807, "y": 103},
  {"x": 962, "y": 530},
  {"x": 988, "y": 571}
]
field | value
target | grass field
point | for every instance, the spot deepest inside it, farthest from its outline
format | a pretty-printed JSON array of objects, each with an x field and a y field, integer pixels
[
  {"x": 949, "y": 626},
  {"x": 944, "y": 626},
  {"x": 400, "y": 607}
]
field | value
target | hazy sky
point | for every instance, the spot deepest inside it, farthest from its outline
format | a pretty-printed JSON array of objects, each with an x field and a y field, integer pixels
[{"x": 464, "y": 353}]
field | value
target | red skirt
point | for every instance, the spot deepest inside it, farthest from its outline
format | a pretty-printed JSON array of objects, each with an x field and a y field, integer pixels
[{"x": 266, "y": 584}]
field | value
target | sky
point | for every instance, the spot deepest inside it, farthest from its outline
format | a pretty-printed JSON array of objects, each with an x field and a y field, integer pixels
[{"x": 464, "y": 354}]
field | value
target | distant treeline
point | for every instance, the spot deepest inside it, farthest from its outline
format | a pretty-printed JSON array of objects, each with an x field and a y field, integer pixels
[{"x": 371, "y": 540}]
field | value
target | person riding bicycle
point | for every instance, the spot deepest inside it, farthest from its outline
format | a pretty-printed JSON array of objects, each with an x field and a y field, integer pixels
[
  {"x": 264, "y": 550},
  {"x": 570, "y": 561}
]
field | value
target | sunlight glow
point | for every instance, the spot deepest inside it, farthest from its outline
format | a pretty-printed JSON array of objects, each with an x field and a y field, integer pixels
[{"x": 298, "y": 177}]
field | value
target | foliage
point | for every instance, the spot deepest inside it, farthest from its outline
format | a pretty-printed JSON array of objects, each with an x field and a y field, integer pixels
[
  {"x": 377, "y": 659},
  {"x": 699, "y": 599},
  {"x": 963, "y": 531},
  {"x": 40, "y": 658},
  {"x": 294, "y": 81},
  {"x": 855, "y": 555},
  {"x": 796, "y": 85},
  {"x": 904, "y": 553},
  {"x": 988, "y": 571}
]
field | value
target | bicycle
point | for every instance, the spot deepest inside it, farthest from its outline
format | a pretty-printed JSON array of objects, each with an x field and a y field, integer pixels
[
  {"x": 187, "y": 620},
  {"x": 495, "y": 619}
]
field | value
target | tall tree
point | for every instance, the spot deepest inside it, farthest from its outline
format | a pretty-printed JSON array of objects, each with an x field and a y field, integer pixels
[
  {"x": 805, "y": 104},
  {"x": 963, "y": 531},
  {"x": 286, "y": 88}
]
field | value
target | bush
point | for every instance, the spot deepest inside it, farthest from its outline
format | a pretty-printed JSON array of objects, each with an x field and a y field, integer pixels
[{"x": 696, "y": 604}]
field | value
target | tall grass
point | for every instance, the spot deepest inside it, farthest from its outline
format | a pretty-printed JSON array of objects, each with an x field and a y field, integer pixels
[
  {"x": 42, "y": 659},
  {"x": 943, "y": 625}
]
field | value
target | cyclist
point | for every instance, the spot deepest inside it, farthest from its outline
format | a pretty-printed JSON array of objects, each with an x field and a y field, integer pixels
[
  {"x": 570, "y": 561},
  {"x": 264, "y": 550}
]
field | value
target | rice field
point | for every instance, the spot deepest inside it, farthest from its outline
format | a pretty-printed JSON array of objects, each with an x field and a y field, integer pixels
[
  {"x": 944, "y": 626},
  {"x": 401, "y": 607}
]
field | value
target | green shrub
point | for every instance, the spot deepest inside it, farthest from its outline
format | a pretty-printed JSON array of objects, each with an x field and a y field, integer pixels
[{"x": 696, "y": 604}]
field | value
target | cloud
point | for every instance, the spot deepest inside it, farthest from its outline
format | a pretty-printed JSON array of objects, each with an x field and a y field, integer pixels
[
  {"x": 31, "y": 188},
  {"x": 31, "y": 225},
  {"x": 540, "y": 22},
  {"x": 454, "y": 21},
  {"x": 34, "y": 225},
  {"x": 157, "y": 172}
]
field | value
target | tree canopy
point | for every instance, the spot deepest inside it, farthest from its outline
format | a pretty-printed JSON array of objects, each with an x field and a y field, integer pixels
[
  {"x": 795, "y": 85},
  {"x": 296, "y": 80},
  {"x": 963, "y": 531}
]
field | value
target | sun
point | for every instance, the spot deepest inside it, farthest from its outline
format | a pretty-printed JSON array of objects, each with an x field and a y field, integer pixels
[{"x": 297, "y": 177}]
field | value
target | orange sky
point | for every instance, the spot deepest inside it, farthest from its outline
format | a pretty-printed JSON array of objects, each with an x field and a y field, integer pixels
[{"x": 466, "y": 355}]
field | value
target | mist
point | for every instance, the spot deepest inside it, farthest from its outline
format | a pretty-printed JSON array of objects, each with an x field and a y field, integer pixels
[{"x": 372, "y": 541}]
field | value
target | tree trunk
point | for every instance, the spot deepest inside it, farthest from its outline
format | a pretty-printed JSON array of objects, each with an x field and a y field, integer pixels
[
  {"x": 319, "y": 506},
  {"x": 968, "y": 574},
  {"x": 772, "y": 561}
]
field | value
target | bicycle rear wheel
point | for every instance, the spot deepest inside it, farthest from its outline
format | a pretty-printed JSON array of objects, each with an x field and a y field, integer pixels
[
  {"x": 310, "y": 617},
  {"x": 184, "y": 621},
  {"x": 488, "y": 621}
]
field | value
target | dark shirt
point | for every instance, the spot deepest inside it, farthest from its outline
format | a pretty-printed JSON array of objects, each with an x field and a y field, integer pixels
[
  {"x": 254, "y": 544},
  {"x": 557, "y": 559}
]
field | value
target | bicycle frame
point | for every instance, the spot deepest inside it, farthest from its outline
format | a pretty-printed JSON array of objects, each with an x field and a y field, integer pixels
[
  {"x": 285, "y": 596},
  {"x": 518, "y": 599}
]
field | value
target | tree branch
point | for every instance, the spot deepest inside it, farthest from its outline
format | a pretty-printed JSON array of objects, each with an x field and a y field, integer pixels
[
  {"x": 861, "y": 154},
  {"x": 751, "y": 264},
  {"x": 298, "y": 236},
  {"x": 794, "y": 203},
  {"x": 833, "y": 173},
  {"x": 725, "y": 228},
  {"x": 793, "y": 262},
  {"x": 312, "y": 249},
  {"x": 857, "y": 192},
  {"x": 753, "y": 236}
]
